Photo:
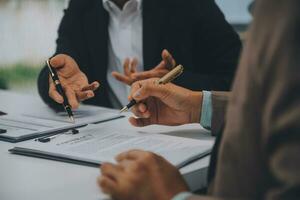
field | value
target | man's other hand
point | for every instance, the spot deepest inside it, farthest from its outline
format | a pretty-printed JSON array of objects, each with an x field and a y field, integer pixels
[
  {"x": 131, "y": 74},
  {"x": 141, "y": 175},
  {"x": 73, "y": 81}
]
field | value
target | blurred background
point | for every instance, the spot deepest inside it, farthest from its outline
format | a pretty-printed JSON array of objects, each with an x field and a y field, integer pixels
[{"x": 28, "y": 32}]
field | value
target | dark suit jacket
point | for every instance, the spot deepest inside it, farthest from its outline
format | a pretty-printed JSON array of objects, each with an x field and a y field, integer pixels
[
  {"x": 194, "y": 31},
  {"x": 258, "y": 154}
]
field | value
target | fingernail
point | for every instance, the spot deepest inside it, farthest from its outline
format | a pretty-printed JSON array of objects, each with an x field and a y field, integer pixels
[
  {"x": 90, "y": 95},
  {"x": 137, "y": 93}
]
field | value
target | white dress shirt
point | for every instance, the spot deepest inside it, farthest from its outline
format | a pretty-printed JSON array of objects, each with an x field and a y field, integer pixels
[{"x": 125, "y": 30}]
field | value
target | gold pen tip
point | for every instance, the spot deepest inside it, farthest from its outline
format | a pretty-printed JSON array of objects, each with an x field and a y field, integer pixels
[{"x": 124, "y": 109}]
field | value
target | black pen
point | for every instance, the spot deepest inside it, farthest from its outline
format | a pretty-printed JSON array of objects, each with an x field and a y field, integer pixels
[
  {"x": 46, "y": 139},
  {"x": 174, "y": 73},
  {"x": 60, "y": 90},
  {"x": 3, "y": 131}
]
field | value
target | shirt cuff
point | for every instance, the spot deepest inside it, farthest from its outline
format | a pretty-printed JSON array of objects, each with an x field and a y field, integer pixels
[
  {"x": 182, "y": 196},
  {"x": 206, "y": 113}
]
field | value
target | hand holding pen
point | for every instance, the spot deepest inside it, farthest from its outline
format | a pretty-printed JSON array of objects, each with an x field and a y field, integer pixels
[
  {"x": 73, "y": 81},
  {"x": 164, "y": 104},
  {"x": 174, "y": 73}
]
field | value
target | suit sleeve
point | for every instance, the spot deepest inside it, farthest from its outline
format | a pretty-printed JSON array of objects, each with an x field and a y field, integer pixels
[
  {"x": 69, "y": 26},
  {"x": 280, "y": 124},
  {"x": 219, "y": 105},
  {"x": 281, "y": 120}
]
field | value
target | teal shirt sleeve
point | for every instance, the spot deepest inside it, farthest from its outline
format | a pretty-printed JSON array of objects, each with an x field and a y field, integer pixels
[
  {"x": 182, "y": 196},
  {"x": 206, "y": 113}
]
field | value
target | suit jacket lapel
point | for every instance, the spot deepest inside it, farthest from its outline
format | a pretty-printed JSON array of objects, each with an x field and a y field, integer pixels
[{"x": 96, "y": 26}]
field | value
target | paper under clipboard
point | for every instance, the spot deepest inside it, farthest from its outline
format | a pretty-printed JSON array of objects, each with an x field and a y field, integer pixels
[
  {"x": 46, "y": 122},
  {"x": 100, "y": 143}
]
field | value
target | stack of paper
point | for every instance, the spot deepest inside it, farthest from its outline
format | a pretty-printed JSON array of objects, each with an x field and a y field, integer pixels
[{"x": 96, "y": 144}]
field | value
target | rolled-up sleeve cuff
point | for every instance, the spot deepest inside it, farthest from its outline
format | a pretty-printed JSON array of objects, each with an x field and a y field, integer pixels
[
  {"x": 182, "y": 196},
  {"x": 206, "y": 113}
]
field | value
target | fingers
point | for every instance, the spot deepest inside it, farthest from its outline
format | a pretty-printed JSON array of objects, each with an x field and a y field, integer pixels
[
  {"x": 54, "y": 94},
  {"x": 71, "y": 95},
  {"x": 126, "y": 67},
  {"x": 154, "y": 73},
  {"x": 133, "y": 65},
  {"x": 82, "y": 96},
  {"x": 107, "y": 184},
  {"x": 168, "y": 59},
  {"x": 135, "y": 90},
  {"x": 122, "y": 78},
  {"x": 130, "y": 67},
  {"x": 109, "y": 179},
  {"x": 139, "y": 122},
  {"x": 141, "y": 90},
  {"x": 93, "y": 86},
  {"x": 110, "y": 170},
  {"x": 87, "y": 92},
  {"x": 130, "y": 155},
  {"x": 140, "y": 110},
  {"x": 143, "y": 75}
]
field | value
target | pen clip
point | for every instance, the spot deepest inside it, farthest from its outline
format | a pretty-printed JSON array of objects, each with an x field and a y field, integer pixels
[
  {"x": 50, "y": 67},
  {"x": 48, "y": 138}
]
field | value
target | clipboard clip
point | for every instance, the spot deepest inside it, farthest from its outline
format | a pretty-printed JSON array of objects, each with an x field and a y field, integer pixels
[{"x": 47, "y": 139}]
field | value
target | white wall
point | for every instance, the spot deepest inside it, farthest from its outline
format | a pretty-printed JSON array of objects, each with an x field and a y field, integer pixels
[
  {"x": 28, "y": 30},
  {"x": 236, "y": 11}
]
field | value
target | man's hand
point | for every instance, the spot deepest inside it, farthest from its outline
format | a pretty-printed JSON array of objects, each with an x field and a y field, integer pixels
[
  {"x": 73, "y": 81},
  {"x": 141, "y": 175},
  {"x": 164, "y": 104},
  {"x": 131, "y": 74}
]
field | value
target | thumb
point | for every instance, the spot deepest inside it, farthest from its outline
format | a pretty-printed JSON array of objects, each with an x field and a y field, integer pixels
[
  {"x": 168, "y": 59},
  {"x": 65, "y": 65},
  {"x": 58, "y": 61}
]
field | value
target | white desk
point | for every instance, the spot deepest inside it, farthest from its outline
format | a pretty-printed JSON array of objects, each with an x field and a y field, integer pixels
[{"x": 23, "y": 178}]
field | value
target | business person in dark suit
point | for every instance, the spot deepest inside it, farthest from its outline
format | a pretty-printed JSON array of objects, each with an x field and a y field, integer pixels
[
  {"x": 97, "y": 37},
  {"x": 257, "y": 156}
]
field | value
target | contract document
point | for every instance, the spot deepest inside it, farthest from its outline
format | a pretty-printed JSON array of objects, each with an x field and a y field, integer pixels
[
  {"x": 100, "y": 143},
  {"x": 44, "y": 122}
]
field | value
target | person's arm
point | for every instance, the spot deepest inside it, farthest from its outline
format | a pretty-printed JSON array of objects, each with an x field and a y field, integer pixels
[{"x": 279, "y": 80}]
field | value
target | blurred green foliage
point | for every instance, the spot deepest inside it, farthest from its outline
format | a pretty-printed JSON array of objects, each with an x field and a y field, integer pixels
[{"x": 18, "y": 75}]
